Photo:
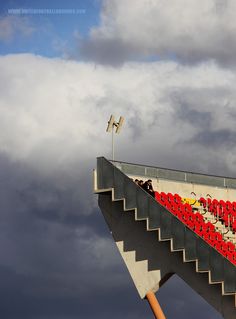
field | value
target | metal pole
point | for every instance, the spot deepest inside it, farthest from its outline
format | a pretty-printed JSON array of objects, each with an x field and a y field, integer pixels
[
  {"x": 155, "y": 306},
  {"x": 113, "y": 151}
]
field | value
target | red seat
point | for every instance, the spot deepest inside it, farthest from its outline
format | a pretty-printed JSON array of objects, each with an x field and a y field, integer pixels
[
  {"x": 177, "y": 198},
  {"x": 203, "y": 202},
  {"x": 226, "y": 211}
]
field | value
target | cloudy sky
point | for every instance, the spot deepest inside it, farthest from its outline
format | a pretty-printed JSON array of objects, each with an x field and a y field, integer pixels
[{"x": 169, "y": 67}]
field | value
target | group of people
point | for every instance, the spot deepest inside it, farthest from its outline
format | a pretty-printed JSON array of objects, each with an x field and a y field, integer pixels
[{"x": 147, "y": 186}]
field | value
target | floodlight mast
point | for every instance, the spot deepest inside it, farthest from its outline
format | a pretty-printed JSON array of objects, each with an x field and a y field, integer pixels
[
  {"x": 110, "y": 128},
  {"x": 113, "y": 148}
]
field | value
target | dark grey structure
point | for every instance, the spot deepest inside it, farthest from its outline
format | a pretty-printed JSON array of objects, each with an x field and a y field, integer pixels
[{"x": 134, "y": 218}]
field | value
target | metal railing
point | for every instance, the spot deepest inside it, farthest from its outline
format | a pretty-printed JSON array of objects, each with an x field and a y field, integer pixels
[{"x": 175, "y": 175}]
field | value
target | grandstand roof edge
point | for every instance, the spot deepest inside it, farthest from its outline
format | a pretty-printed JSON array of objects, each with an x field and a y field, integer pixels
[{"x": 171, "y": 169}]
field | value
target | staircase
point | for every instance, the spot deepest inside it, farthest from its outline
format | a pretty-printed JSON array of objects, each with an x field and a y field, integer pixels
[{"x": 155, "y": 244}]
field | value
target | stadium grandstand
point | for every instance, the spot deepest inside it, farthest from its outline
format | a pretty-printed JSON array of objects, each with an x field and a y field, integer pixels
[{"x": 187, "y": 227}]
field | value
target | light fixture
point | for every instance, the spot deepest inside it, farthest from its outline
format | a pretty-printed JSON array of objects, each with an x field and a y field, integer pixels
[{"x": 110, "y": 128}]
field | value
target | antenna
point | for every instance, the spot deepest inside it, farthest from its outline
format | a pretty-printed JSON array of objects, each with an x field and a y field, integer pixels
[
  {"x": 110, "y": 123},
  {"x": 110, "y": 128},
  {"x": 119, "y": 124}
]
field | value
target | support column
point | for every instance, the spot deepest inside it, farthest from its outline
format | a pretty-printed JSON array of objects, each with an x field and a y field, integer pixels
[{"x": 155, "y": 306}]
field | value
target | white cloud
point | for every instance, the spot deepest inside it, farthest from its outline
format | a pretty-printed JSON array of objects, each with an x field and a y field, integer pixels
[
  {"x": 11, "y": 26},
  {"x": 54, "y": 112},
  {"x": 187, "y": 29}
]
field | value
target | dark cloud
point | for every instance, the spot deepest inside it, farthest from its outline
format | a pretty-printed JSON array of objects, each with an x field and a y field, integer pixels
[
  {"x": 106, "y": 51},
  {"x": 202, "y": 109},
  {"x": 224, "y": 139},
  {"x": 116, "y": 51},
  {"x": 24, "y": 296},
  {"x": 177, "y": 292},
  {"x": 48, "y": 260},
  {"x": 151, "y": 30},
  {"x": 54, "y": 265},
  {"x": 222, "y": 51},
  {"x": 199, "y": 119}
]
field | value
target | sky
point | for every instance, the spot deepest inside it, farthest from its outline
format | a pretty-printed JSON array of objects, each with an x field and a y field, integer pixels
[{"x": 168, "y": 67}]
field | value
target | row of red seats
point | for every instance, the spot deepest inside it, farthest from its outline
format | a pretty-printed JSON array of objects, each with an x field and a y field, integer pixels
[
  {"x": 196, "y": 222},
  {"x": 225, "y": 211}
]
